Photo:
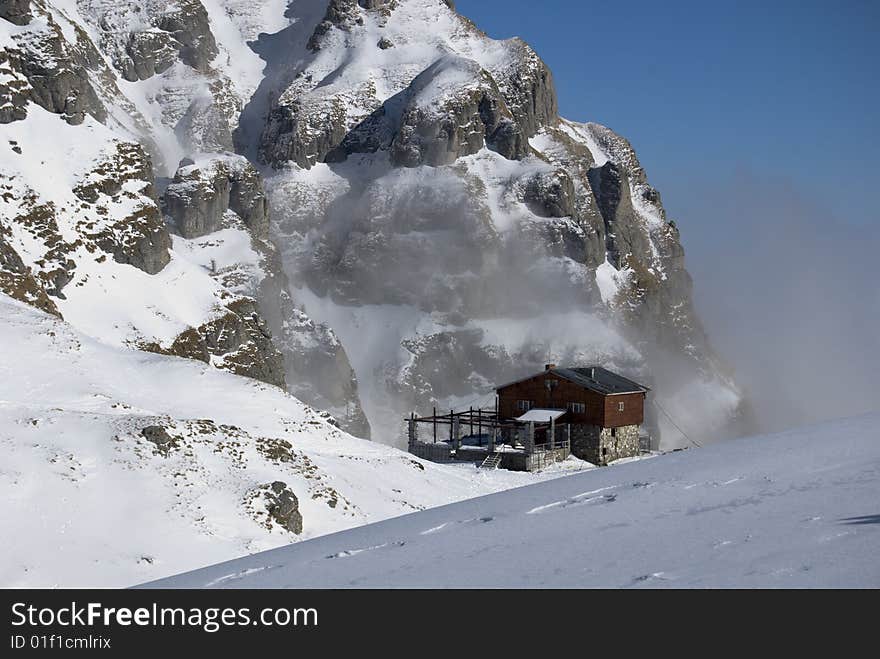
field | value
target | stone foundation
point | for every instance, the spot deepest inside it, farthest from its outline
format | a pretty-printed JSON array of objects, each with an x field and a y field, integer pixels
[{"x": 603, "y": 445}]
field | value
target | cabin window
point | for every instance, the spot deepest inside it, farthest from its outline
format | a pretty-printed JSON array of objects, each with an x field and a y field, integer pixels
[
  {"x": 614, "y": 432},
  {"x": 523, "y": 405},
  {"x": 620, "y": 407},
  {"x": 577, "y": 408}
]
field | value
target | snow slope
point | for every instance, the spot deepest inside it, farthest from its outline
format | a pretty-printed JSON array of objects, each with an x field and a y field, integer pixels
[
  {"x": 796, "y": 509},
  {"x": 89, "y": 501}
]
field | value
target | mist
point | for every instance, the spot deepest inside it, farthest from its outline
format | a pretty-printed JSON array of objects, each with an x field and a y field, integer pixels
[{"x": 789, "y": 295}]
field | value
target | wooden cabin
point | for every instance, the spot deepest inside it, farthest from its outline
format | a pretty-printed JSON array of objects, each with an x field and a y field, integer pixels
[{"x": 604, "y": 410}]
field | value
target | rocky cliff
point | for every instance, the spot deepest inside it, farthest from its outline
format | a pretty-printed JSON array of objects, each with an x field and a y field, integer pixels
[{"x": 370, "y": 203}]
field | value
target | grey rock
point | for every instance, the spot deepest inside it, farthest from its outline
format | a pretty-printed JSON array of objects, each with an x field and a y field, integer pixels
[
  {"x": 18, "y": 282},
  {"x": 158, "y": 436},
  {"x": 385, "y": 43},
  {"x": 527, "y": 88},
  {"x": 551, "y": 194},
  {"x": 60, "y": 74},
  {"x": 16, "y": 11},
  {"x": 148, "y": 53},
  {"x": 282, "y": 506},
  {"x": 205, "y": 127},
  {"x": 189, "y": 25},
  {"x": 239, "y": 338},
  {"x": 295, "y": 133},
  {"x": 198, "y": 197},
  {"x": 459, "y": 124},
  {"x": 247, "y": 198},
  {"x": 320, "y": 373},
  {"x": 140, "y": 239},
  {"x": 316, "y": 366},
  {"x": 14, "y": 91},
  {"x": 626, "y": 234}
]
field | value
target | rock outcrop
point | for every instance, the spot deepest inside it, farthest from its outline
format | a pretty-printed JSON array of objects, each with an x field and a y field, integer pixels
[
  {"x": 198, "y": 197},
  {"x": 16, "y": 12},
  {"x": 59, "y": 73},
  {"x": 17, "y": 281},
  {"x": 139, "y": 236},
  {"x": 146, "y": 39},
  {"x": 272, "y": 340},
  {"x": 453, "y": 109},
  {"x": 279, "y": 507},
  {"x": 237, "y": 340},
  {"x": 320, "y": 373}
]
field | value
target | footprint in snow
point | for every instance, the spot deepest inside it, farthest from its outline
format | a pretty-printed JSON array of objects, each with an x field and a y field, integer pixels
[
  {"x": 576, "y": 500},
  {"x": 654, "y": 576},
  {"x": 239, "y": 575},
  {"x": 440, "y": 527},
  {"x": 345, "y": 553}
]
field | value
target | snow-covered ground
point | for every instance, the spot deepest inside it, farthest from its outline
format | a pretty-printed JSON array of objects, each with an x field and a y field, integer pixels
[
  {"x": 87, "y": 500},
  {"x": 796, "y": 509}
]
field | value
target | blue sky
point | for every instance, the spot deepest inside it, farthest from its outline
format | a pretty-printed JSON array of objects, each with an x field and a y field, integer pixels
[{"x": 708, "y": 90}]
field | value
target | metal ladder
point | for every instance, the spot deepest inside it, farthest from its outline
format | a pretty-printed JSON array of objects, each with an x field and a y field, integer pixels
[{"x": 491, "y": 462}]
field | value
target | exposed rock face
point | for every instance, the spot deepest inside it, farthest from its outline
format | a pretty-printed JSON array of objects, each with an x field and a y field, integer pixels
[
  {"x": 320, "y": 373},
  {"x": 146, "y": 54},
  {"x": 158, "y": 436},
  {"x": 59, "y": 74},
  {"x": 172, "y": 42},
  {"x": 551, "y": 194},
  {"x": 316, "y": 366},
  {"x": 16, "y": 11},
  {"x": 14, "y": 89},
  {"x": 187, "y": 23},
  {"x": 445, "y": 119},
  {"x": 450, "y": 364},
  {"x": 246, "y": 341},
  {"x": 140, "y": 238},
  {"x": 527, "y": 87},
  {"x": 281, "y": 506},
  {"x": 238, "y": 341},
  {"x": 625, "y": 232},
  {"x": 303, "y": 133},
  {"x": 146, "y": 39},
  {"x": 17, "y": 281},
  {"x": 199, "y": 196}
]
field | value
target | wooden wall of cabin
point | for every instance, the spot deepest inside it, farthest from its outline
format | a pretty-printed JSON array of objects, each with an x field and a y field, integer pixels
[{"x": 599, "y": 410}]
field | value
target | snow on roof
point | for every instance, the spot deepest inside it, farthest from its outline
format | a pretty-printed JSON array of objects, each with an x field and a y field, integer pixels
[{"x": 538, "y": 414}]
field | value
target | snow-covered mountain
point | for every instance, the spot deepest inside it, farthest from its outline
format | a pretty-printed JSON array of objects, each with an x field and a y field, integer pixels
[
  {"x": 368, "y": 202},
  {"x": 119, "y": 466},
  {"x": 793, "y": 510},
  {"x": 369, "y": 205}
]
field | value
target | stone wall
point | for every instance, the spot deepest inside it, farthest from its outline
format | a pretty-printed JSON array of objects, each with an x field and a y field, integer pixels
[
  {"x": 532, "y": 461},
  {"x": 621, "y": 442},
  {"x": 603, "y": 445}
]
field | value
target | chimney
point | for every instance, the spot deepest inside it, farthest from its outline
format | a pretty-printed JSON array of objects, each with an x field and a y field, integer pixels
[{"x": 549, "y": 367}]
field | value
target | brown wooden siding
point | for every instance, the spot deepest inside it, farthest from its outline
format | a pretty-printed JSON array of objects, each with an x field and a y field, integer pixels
[{"x": 599, "y": 410}]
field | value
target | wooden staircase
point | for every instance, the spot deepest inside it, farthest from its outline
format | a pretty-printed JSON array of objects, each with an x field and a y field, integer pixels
[{"x": 492, "y": 461}]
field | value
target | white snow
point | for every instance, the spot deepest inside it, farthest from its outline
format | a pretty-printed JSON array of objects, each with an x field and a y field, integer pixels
[
  {"x": 797, "y": 509},
  {"x": 609, "y": 280},
  {"x": 88, "y": 501},
  {"x": 538, "y": 414}
]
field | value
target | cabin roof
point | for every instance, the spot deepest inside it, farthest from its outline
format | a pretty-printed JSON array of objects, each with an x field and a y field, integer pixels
[
  {"x": 541, "y": 415},
  {"x": 595, "y": 378}
]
